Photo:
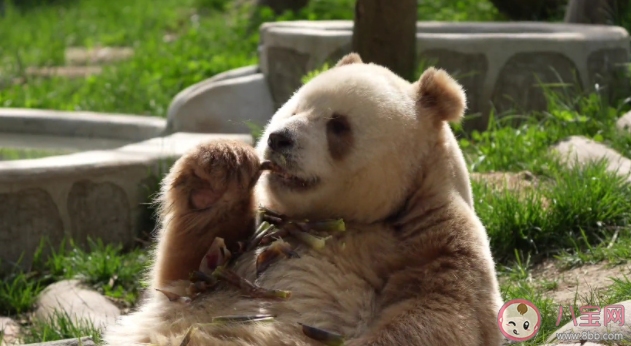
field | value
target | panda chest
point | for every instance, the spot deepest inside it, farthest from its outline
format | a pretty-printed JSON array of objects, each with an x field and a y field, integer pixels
[{"x": 332, "y": 288}]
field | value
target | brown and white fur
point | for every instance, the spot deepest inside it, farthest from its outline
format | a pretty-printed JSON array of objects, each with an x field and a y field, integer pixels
[{"x": 414, "y": 266}]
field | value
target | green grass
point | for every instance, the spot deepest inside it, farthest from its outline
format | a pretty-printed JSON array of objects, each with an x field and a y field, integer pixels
[
  {"x": 18, "y": 292},
  {"x": 580, "y": 203},
  {"x": 8, "y": 154},
  {"x": 106, "y": 268},
  {"x": 615, "y": 249},
  {"x": 206, "y": 45},
  {"x": 60, "y": 326},
  {"x": 514, "y": 142},
  {"x": 213, "y": 36},
  {"x": 549, "y": 310}
]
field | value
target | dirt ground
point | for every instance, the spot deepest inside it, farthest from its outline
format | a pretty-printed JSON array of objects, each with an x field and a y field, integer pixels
[{"x": 581, "y": 283}]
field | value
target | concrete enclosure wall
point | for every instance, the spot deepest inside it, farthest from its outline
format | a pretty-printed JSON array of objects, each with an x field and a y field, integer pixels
[
  {"x": 501, "y": 65},
  {"x": 101, "y": 191}
]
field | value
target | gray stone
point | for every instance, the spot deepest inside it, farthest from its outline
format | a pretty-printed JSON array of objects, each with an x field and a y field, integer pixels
[
  {"x": 96, "y": 126},
  {"x": 27, "y": 215},
  {"x": 224, "y": 106},
  {"x": 284, "y": 66},
  {"x": 101, "y": 193},
  {"x": 85, "y": 341},
  {"x": 79, "y": 303},
  {"x": 100, "y": 209},
  {"x": 101, "y": 55},
  {"x": 288, "y": 50},
  {"x": 581, "y": 150},
  {"x": 183, "y": 96},
  {"x": 520, "y": 80},
  {"x": 624, "y": 123},
  {"x": 9, "y": 331},
  {"x": 602, "y": 328}
]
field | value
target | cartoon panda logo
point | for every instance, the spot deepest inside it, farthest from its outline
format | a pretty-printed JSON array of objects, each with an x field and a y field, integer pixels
[{"x": 519, "y": 320}]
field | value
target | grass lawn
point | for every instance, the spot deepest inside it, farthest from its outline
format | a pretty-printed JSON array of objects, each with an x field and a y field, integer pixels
[
  {"x": 573, "y": 217},
  {"x": 7, "y": 154},
  {"x": 212, "y": 36}
]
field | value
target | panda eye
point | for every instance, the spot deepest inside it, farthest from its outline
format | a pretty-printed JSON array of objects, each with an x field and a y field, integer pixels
[
  {"x": 338, "y": 125},
  {"x": 526, "y": 325}
]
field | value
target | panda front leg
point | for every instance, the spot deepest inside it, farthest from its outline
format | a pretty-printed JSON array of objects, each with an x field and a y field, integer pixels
[{"x": 208, "y": 193}]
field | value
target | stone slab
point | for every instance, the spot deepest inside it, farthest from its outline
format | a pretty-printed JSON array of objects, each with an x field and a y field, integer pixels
[
  {"x": 223, "y": 105},
  {"x": 581, "y": 150},
  {"x": 79, "y": 303},
  {"x": 183, "y": 96}
]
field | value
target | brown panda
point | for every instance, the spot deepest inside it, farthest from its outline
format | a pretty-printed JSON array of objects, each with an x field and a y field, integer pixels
[{"x": 357, "y": 142}]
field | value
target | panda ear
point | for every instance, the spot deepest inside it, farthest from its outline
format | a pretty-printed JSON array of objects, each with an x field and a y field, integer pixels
[
  {"x": 439, "y": 96},
  {"x": 352, "y": 58}
]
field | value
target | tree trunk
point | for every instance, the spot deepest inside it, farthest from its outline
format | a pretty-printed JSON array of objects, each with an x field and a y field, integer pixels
[{"x": 385, "y": 33}]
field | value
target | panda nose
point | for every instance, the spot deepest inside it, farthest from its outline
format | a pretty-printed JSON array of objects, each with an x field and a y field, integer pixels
[{"x": 280, "y": 140}]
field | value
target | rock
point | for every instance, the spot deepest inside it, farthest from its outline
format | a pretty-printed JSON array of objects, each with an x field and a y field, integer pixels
[
  {"x": 78, "y": 302},
  {"x": 70, "y": 72},
  {"x": 86, "y": 341},
  {"x": 222, "y": 104},
  {"x": 583, "y": 150},
  {"x": 611, "y": 327},
  {"x": 624, "y": 123},
  {"x": 9, "y": 329},
  {"x": 78, "y": 56},
  {"x": 231, "y": 74}
]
